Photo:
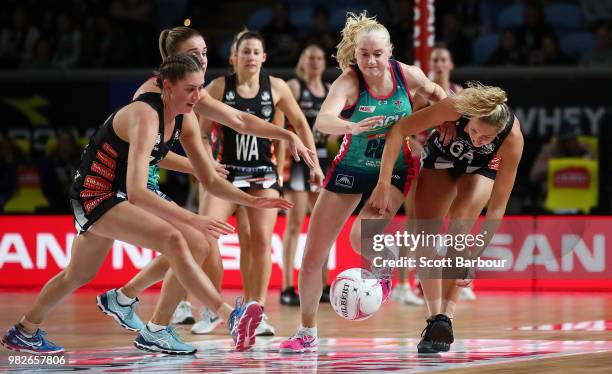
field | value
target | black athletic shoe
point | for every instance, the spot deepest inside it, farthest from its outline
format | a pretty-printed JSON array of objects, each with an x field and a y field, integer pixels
[
  {"x": 437, "y": 335},
  {"x": 426, "y": 344},
  {"x": 325, "y": 294},
  {"x": 441, "y": 333},
  {"x": 288, "y": 296}
]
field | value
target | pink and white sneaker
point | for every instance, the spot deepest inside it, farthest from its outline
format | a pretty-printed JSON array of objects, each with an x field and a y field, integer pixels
[
  {"x": 385, "y": 284},
  {"x": 299, "y": 344}
]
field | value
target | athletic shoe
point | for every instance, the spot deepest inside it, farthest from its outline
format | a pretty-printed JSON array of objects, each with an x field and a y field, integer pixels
[
  {"x": 16, "y": 340},
  {"x": 437, "y": 335},
  {"x": 426, "y": 344},
  {"x": 207, "y": 323},
  {"x": 386, "y": 284},
  {"x": 164, "y": 341},
  {"x": 289, "y": 297},
  {"x": 402, "y": 293},
  {"x": 243, "y": 321},
  {"x": 299, "y": 343},
  {"x": 264, "y": 328},
  {"x": 467, "y": 294},
  {"x": 182, "y": 315},
  {"x": 441, "y": 333},
  {"x": 125, "y": 315},
  {"x": 325, "y": 294}
]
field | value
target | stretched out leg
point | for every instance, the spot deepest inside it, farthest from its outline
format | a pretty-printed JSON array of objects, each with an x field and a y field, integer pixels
[
  {"x": 473, "y": 193},
  {"x": 295, "y": 220},
  {"x": 262, "y": 228},
  {"x": 435, "y": 192},
  {"x": 325, "y": 226}
]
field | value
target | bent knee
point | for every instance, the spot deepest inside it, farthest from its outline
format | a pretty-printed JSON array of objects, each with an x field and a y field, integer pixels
[
  {"x": 79, "y": 277},
  {"x": 200, "y": 250},
  {"x": 174, "y": 242}
]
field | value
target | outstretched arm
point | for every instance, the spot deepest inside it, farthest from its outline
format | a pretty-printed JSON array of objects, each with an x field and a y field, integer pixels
[
  {"x": 441, "y": 112},
  {"x": 192, "y": 143},
  {"x": 290, "y": 107},
  {"x": 342, "y": 91}
]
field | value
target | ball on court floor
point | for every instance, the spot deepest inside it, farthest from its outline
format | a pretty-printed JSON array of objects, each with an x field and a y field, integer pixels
[{"x": 356, "y": 294}]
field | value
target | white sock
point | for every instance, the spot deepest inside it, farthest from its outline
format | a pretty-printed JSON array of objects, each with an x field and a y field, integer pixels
[
  {"x": 312, "y": 331},
  {"x": 124, "y": 300},
  {"x": 155, "y": 328}
]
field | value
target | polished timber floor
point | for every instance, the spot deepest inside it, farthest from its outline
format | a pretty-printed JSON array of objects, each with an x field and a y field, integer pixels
[{"x": 515, "y": 332}]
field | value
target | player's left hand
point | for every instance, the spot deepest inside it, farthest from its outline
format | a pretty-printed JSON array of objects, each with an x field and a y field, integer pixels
[{"x": 271, "y": 203}]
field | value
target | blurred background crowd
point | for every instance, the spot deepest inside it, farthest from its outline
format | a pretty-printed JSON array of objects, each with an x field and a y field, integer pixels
[{"x": 66, "y": 35}]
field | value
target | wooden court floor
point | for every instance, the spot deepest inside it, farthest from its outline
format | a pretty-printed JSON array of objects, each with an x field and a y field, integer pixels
[{"x": 509, "y": 332}]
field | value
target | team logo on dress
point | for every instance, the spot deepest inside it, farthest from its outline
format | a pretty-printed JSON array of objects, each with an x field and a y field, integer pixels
[
  {"x": 488, "y": 147},
  {"x": 158, "y": 140},
  {"x": 344, "y": 180},
  {"x": 367, "y": 108},
  {"x": 230, "y": 95},
  {"x": 265, "y": 96},
  {"x": 266, "y": 111},
  {"x": 306, "y": 94},
  {"x": 398, "y": 103},
  {"x": 176, "y": 135}
]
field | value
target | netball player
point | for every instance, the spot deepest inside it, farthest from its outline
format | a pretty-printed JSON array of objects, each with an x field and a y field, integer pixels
[
  {"x": 441, "y": 63},
  {"x": 372, "y": 93},
  {"x": 309, "y": 90},
  {"x": 111, "y": 201},
  {"x": 479, "y": 166},
  {"x": 120, "y": 303},
  {"x": 208, "y": 320},
  {"x": 249, "y": 159}
]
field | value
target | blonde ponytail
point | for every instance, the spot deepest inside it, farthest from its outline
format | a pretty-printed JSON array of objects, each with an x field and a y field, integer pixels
[
  {"x": 355, "y": 27},
  {"x": 487, "y": 103}
]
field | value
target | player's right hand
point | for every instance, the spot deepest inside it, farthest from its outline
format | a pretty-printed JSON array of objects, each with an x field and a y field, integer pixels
[
  {"x": 364, "y": 125},
  {"x": 221, "y": 170},
  {"x": 447, "y": 130},
  {"x": 379, "y": 199},
  {"x": 298, "y": 149}
]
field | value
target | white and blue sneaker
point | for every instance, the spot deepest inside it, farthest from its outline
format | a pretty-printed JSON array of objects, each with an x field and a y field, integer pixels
[
  {"x": 125, "y": 315},
  {"x": 207, "y": 323},
  {"x": 164, "y": 341},
  {"x": 182, "y": 314},
  {"x": 16, "y": 340},
  {"x": 243, "y": 322}
]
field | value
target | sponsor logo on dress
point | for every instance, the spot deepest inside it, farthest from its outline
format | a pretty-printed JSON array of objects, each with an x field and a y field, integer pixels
[
  {"x": 266, "y": 111},
  {"x": 367, "y": 108},
  {"x": 230, "y": 95},
  {"x": 344, "y": 180}
]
